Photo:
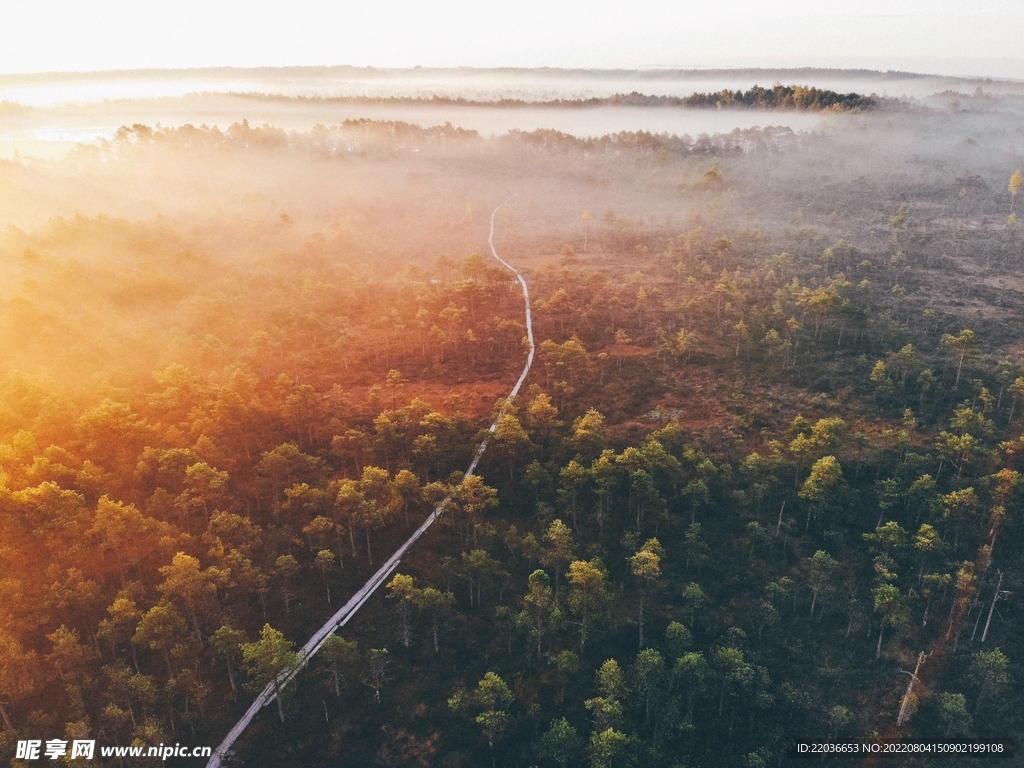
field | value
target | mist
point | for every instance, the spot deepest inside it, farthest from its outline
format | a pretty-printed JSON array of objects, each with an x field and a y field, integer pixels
[
  {"x": 47, "y": 114},
  {"x": 250, "y": 341}
]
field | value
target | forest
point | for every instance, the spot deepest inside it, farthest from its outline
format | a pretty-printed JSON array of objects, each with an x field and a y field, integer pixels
[
  {"x": 784, "y": 97},
  {"x": 777, "y": 97},
  {"x": 764, "y": 465}
]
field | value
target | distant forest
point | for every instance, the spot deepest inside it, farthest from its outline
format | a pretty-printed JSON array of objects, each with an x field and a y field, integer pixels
[
  {"x": 380, "y": 137},
  {"x": 784, "y": 97},
  {"x": 777, "y": 97}
]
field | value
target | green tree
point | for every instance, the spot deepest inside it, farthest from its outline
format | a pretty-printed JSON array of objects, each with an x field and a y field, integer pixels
[
  {"x": 645, "y": 566},
  {"x": 131, "y": 690},
  {"x": 560, "y": 743},
  {"x": 905, "y": 361},
  {"x": 474, "y": 498},
  {"x": 820, "y": 574},
  {"x": 959, "y": 507},
  {"x": 542, "y": 419},
  {"x": 561, "y": 548},
  {"x": 539, "y": 608},
  {"x": 203, "y": 488},
  {"x": 733, "y": 672},
  {"x": 825, "y": 476},
  {"x": 71, "y": 660},
  {"x": 605, "y": 712},
  {"x": 395, "y": 382},
  {"x": 686, "y": 343},
  {"x": 493, "y": 697},
  {"x": 123, "y": 617},
  {"x": 113, "y": 434},
  {"x": 511, "y": 440},
  {"x": 348, "y": 502},
  {"x": 960, "y": 345},
  {"x": 316, "y": 530},
  {"x": 403, "y": 591},
  {"x": 407, "y": 486},
  {"x": 573, "y": 476},
  {"x": 648, "y": 675},
  {"x": 303, "y": 502},
  {"x": 741, "y": 334},
  {"x": 588, "y": 595},
  {"x": 226, "y": 643},
  {"x": 611, "y": 681},
  {"x": 568, "y": 664},
  {"x": 693, "y": 598},
  {"x": 953, "y": 712},
  {"x": 890, "y": 604},
  {"x": 606, "y": 708},
  {"x": 478, "y": 566},
  {"x": 677, "y": 639},
  {"x": 267, "y": 661},
  {"x": 775, "y": 344},
  {"x": 608, "y": 749},
  {"x": 284, "y": 467},
  {"x": 160, "y": 629},
  {"x": 285, "y": 567},
  {"x": 692, "y": 671},
  {"x": 603, "y": 471},
  {"x": 437, "y": 604},
  {"x": 324, "y": 561},
  {"x": 536, "y": 476},
  {"x": 339, "y": 655},
  {"x": 990, "y": 672},
  {"x": 184, "y": 581},
  {"x": 697, "y": 550},
  {"x": 380, "y": 500},
  {"x": 588, "y": 435}
]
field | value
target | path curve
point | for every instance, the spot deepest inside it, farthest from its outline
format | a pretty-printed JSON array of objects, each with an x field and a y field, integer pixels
[{"x": 347, "y": 611}]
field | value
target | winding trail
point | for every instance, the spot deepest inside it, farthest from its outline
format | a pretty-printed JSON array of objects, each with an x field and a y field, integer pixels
[{"x": 347, "y": 611}]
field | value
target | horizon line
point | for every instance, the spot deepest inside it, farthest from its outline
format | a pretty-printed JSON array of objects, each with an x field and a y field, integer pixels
[{"x": 649, "y": 69}]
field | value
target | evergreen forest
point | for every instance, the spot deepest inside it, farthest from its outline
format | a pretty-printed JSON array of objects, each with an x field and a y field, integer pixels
[{"x": 763, "y": 468}]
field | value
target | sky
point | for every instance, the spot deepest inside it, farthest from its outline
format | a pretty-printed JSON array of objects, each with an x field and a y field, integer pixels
[{"x": 953, "y": 37}]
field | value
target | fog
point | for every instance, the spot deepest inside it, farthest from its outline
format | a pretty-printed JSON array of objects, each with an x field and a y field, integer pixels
[
  {"x": 47, "y": 114},
  {"x": 50, "y": 131},
  {"x": 474, "y": 84},
  {"x": 218, "y": 311},
  {"x": 959, "y": 130}
]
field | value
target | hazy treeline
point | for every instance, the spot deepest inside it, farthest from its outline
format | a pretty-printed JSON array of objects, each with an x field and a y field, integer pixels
[
  {"x": 389, "y": 136},
  {"x": 784, "y": 97},
  {"x": 777, "y": 97}
]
